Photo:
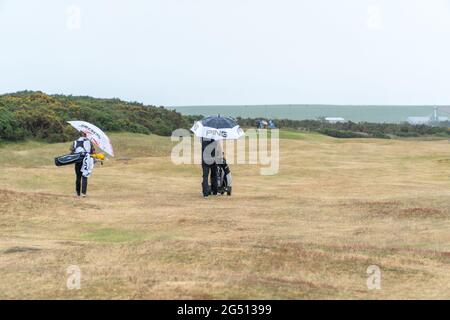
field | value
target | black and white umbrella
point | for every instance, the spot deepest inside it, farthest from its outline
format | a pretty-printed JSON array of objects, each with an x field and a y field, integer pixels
[{"x": 217, "y": 128}]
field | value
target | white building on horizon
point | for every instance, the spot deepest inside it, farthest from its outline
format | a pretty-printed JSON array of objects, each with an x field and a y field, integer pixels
[
  {"x": 431, "y": 120},
  {"x": 335, "y": 120}
]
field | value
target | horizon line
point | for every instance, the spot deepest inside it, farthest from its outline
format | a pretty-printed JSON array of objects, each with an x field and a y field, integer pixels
[
  {"x": 226, "y": 105},
  {"x": 309, "y": 104}
]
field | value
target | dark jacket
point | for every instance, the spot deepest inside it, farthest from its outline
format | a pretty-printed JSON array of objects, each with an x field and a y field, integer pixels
[{"x": 208, "y": 151}]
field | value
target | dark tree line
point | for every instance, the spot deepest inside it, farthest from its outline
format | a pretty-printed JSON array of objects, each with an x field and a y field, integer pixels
[{"x": 358, "y": 130}]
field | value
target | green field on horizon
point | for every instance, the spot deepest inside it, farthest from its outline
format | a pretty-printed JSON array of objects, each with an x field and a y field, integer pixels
[{"x": 355, "y": 113}]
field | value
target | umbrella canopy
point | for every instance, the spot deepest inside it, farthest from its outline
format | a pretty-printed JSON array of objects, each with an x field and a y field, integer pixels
[
  {"x": 217, "y": 128},
  {"x": 95, "y": 134}
]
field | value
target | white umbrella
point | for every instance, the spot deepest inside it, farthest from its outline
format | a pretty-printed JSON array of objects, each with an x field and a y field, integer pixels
[
  {"x": 217, "y": 128},
  {"x": 95, "y": 134}
]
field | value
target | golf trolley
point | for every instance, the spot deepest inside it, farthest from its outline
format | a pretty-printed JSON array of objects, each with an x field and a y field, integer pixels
[{"x": 223, "y": 179}]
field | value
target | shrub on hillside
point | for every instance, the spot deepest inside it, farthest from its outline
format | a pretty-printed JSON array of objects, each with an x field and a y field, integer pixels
[{"x": 31, "y": 114}]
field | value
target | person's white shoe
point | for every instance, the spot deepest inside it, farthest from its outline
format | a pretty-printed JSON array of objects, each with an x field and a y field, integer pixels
[{"x": 83, "y": 195}]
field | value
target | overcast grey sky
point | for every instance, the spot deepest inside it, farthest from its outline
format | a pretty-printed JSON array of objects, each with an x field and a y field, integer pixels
[{"x": 195, "y": 52}]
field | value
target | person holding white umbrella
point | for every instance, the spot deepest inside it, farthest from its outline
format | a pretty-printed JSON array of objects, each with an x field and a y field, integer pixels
[
  {"x": 85, "y": 147},
  {"x": 211, "y": 130},
  {"x": 90, "y": 136}
]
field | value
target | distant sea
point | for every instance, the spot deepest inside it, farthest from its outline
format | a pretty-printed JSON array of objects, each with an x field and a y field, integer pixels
[{"x": 355, "y": 113}]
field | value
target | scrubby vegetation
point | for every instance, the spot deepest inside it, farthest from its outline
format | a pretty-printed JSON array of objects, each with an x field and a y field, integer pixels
[{"x": 36, "y": 115}]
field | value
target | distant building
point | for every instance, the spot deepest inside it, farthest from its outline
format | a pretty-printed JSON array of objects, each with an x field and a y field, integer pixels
[
  {"x": 334, "y": 120},
  {"x": 418, "y": 120},
  {"x": 434, "y": 119}
]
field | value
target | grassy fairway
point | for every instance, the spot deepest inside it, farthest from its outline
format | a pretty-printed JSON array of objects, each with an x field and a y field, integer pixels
[{"x": 335, "y": 208}]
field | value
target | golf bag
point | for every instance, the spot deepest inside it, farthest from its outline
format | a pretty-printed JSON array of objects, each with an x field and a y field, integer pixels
[
  {"x": 224, "y": 179},
  {"x": 68, "y": 159}
]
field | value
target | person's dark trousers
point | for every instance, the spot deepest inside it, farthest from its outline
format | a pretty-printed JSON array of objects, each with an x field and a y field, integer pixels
[
  {"x": 207, "y": 169},
  {"x": 80, "y": 182}
]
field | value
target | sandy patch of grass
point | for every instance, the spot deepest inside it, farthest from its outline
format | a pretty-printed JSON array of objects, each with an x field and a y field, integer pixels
[{"x": 336, "y": 207}]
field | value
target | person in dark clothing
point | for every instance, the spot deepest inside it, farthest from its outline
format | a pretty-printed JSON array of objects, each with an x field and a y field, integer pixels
[
  {"x": 83, "y": 146},
  {"x": 209, "y": 166},
  {"x": 81, "y": 181}
]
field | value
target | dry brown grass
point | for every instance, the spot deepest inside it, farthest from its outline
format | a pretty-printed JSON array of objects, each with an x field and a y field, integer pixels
[{"x": 336, "y": 207}]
